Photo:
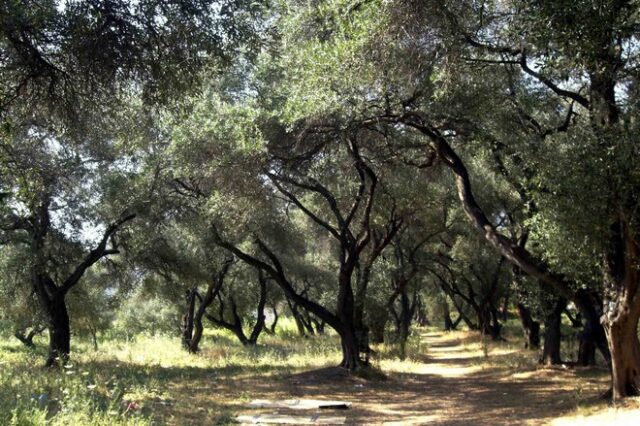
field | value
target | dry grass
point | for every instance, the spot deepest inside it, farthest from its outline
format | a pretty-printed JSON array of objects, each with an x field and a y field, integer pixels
[{"x": 449, "y": 379}]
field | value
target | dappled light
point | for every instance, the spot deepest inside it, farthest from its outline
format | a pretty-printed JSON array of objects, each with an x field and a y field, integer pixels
[{"x": 352, "y": 212}]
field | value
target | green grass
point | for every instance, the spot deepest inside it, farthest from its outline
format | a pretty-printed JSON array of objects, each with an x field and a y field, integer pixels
[
  {"x": 124, "y": 381},
  {"x": 150, "y": 380}
]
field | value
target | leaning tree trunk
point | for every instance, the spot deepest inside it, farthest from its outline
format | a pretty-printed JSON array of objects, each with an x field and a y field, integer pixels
[
  {"x": 553, "y": 335},
  {"x": 530, "y": 328},
  {"x": 59, "y": 330},
  {"x": 317, "y": 324},
  {"x": 27, "y": 339},
  {"x": 293, "y": 308}
]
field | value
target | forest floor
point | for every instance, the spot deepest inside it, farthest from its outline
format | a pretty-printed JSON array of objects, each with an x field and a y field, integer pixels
[{"x": 454, "y": 378}]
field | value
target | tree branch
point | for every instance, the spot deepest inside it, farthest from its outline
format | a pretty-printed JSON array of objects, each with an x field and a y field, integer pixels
[{"x": 96, "y": 254}]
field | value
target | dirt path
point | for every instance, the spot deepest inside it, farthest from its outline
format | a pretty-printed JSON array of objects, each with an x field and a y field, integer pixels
[{"x": 454, "y": 384}]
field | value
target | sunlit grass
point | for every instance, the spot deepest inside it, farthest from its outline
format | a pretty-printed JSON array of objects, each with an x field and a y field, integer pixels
[
  {"x": 124, "y": 381},
  {"x": 151, "y": 380}
]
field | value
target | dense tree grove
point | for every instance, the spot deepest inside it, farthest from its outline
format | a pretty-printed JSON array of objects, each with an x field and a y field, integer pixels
[{"x": 358, "y": 166}]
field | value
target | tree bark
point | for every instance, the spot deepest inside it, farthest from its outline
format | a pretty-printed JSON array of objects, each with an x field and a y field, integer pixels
[
  {"x": 590, "y": 338},
  {"x": 236, "y": 325},
  {"x": 272, "y": 328},
  {"x": 187, "y": 320},
  {"x": 625, "y": 355},
  {"x": 350, "y": 349},
  {"x": 405, "y": 322},
  {"x": 530, "y": 328},
  {"x": 293, "y": 308},
  {"x": 260, "y": 316},
  {"x": 59, "y": 331},
  {"x": 421, "y": 313},
  {"x": 214, "y": 287},
  {"x": 553, "y": 335},
  {"x": 27, "y": 339},
  {"x": 622, "y": 309}
]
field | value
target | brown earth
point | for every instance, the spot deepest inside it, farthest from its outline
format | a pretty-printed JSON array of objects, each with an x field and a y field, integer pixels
[{"x": 460, "y": 381}]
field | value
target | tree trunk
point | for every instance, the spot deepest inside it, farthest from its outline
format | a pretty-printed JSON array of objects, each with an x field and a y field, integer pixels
[
  {"x": 625, "y": 355},
  {"x": 198, "y": 329},
  {"x": 530, "y": 328},
  {"x": 350, "y": 349},
  {"x": 552, "y": 335},
  {"x": 59, "y": 331},
  {"x": 260, "y": 316},
  {"x": 293, "y": 308},
  {"x": 272, "y": 328},
  {"x": 622, "y": 310},
  {"x": 590, "y": 338},
  {"x": 377, "y": 331},
  {"x": 404, "y": 323},
  {"x": 488, "y": 321},
  {"x": 448, "y": 323},
  {"x": 421, "y": 313},
  {"x": 26, "y": 339},
  {"x": 504, "y": 309},
  {"x": 317, "y": 324},
  {"x": 593, "y": 333},
  {"x": 187, "y": 320},
  {"x": 352, "y": 339},
  {"x": 362, "y": 282}
]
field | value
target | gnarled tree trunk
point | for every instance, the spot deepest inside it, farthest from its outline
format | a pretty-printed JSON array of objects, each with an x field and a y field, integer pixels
[{"x": 622, "y": 309}]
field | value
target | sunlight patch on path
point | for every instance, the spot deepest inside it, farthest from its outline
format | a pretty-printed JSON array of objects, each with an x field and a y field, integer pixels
[
  {"x": 414, "y": 420},
  {"x": 619, "y": 418},
  {"x": 448, "y": 370}
]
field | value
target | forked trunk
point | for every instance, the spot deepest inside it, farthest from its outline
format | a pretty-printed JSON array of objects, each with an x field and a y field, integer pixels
[
  {"x": 293, "y": 308},
  {"x": 488, "y": 322},
  {"x": 198, "y": 328},
  {"x": 26, "y": 338}
]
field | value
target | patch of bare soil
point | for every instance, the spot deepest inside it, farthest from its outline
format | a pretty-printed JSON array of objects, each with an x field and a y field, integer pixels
[{"x": 455, "y": 384}]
